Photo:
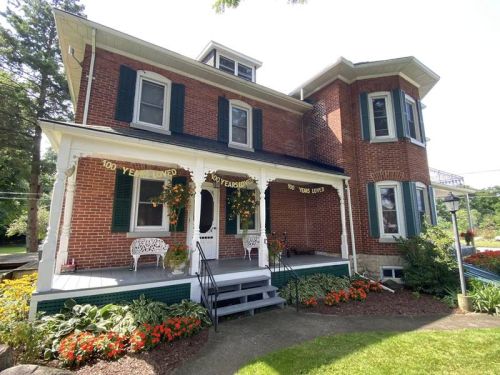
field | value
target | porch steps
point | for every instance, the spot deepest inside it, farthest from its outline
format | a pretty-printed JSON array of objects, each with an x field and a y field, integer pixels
[{"x": 246, "y": 295}]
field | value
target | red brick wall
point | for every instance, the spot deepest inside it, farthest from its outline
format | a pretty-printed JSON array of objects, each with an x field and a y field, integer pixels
[
  {"x": 309, "y": 220},
  {"x": 282, "y": 130}
]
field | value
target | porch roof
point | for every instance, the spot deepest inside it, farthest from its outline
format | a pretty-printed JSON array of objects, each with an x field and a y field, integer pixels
[{"x": 208, "y": 145}]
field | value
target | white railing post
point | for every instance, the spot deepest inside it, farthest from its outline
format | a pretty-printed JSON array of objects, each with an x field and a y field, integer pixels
[{"x": 263, "y": 250}]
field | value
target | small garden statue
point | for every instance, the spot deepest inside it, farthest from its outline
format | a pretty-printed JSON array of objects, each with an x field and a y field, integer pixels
[{"x": 468, "y": 236}]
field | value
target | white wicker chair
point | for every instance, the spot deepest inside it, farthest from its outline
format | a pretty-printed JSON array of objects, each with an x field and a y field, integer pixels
[
  {"x": 147, "y": 246},
  {"x": 250, "y": 242}
]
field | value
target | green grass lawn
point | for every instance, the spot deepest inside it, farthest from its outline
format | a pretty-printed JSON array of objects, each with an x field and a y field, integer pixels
[
  {"x": 485, "y": 243},
  {"x": 12, "y": 249},
  {"x": 470, "y": 351}
]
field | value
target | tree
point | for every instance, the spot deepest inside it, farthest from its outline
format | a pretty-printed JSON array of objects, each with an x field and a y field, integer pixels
[
  {"x": 221, "y": 5},
  {"x": 29, "y": 48}
]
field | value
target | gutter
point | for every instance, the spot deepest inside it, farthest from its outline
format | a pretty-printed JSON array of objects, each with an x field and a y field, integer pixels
[{"x": 90, "y": 79}]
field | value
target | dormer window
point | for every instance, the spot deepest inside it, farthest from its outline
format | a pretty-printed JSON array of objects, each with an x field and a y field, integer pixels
[
  {"x": 235, "y": 67},
  {"x": 227, "y": 65}
]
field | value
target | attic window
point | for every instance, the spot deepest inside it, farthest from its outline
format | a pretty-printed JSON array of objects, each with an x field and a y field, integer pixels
[{"x": 234, "y": 67}]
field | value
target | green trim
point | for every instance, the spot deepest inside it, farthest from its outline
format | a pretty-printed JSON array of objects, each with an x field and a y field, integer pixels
[
  {"x": 278, "y": 279},
  {"x": 372, "y": 210},
  {"x": 365, "y": 118},
  {"x": 122, "y": 203},
  {"x": 167, "y": 294}
]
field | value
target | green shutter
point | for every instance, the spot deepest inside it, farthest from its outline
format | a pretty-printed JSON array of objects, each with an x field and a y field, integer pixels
[
  {"x": 223, "y": 120},
  {"x": 182, "y": 214},
  {"x": 126, "y": 94},
  {"x": 122, "y": 202},
  {"x": 365, "y": 118},
  {"x": 231, "y": 224},
  {"x": 398, "y": 99},
  {"x": 177, "y": 108},
  {"x": 421, "y": 121},
  {"x": 373, "y": 210},
  {"x": 411, "y": 208},
  {"x": 432, "y": 205},
  {"x": 268, "y": 209},
  {"x": 257, "y": 128}
]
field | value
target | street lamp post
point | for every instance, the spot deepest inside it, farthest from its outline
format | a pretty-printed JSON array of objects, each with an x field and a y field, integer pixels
[{"x": 452, "y": 203}]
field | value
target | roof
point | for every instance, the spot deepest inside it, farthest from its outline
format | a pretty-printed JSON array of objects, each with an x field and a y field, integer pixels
[
  {"x": 410, "y": 68},
  {"x": 209, "y": 145},
  {"x": 228, "y": 51},
  {"x": 75, "y": 32}
]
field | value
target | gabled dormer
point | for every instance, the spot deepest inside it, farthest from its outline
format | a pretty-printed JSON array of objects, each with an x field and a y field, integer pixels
[{"x": 230, "y": 61}]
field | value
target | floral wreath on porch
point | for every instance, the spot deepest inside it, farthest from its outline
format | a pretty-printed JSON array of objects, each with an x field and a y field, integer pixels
[{"x": 242, "y": 203}]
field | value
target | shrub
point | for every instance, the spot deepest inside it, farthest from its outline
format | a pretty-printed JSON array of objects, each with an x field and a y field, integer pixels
[
  {"x": 334, "y": 298},
  {"x": 310, "y": 302},
  {"x": 429, "y": 264},
  {"x": 357, "y": 294},
  {"x": 317, "y": 286},
  {"x": 489, "y": 260},
  {"x": 190, "y": 309},
  {"x": 485, "y": 296}
]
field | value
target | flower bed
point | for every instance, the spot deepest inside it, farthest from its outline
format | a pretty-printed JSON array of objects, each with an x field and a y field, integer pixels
[{"x": 489, "y": 260}]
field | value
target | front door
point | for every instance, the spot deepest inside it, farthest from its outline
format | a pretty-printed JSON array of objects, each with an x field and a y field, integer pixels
[{"x": 209, "y": 222}]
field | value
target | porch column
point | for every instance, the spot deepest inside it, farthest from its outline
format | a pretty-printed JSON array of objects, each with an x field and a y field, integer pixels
[
  {"x": 198, "y": 177},
  {"x": 46, "y": 264},
  {"x": 351, "y": 226},
  {"x": 263, "y": 250},
  {"x": 344, "y": 248},
  {"x": 62, "y": 254}
]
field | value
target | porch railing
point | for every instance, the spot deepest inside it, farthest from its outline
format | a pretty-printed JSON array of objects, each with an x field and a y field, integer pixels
[
  {"x": 209, "y": 290},
  {"x": 282, "y": 270}
]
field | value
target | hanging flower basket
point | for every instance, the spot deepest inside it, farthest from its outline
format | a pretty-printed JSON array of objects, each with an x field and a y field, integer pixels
[
  {"x": 175, "y": 197},
  {"x": 242, "y": 203}
]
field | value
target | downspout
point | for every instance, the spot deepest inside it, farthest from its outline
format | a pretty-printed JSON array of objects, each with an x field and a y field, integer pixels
[
  {"x": 90, "y": 79},
  {"x": 353, "y": 241}
]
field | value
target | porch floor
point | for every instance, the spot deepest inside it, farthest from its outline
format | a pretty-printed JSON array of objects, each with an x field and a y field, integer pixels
[{"x": 113, "y": 277}]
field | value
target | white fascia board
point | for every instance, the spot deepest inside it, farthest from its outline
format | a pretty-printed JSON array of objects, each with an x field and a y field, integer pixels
[
  {"x": 80, "y": 28},
  {"x": 86, "y": 142},
  {"x": 453, "y": 189}
]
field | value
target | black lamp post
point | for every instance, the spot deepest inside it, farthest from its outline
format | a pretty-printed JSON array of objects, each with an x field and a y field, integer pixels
[{"x": 452, "y": 203}]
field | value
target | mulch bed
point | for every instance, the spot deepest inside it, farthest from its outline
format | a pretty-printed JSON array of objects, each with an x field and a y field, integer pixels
[
  {"x": 161, "y": 360},
  {"x": 402, "y": 302}
]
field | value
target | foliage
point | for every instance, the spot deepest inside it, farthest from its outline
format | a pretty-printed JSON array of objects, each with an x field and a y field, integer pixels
[
  {"x": 176, "y": 198},
  {"x": 145, "y": 310},
  {"x": 334, "y": 298},
  {"x": 451, "y": 297},
  {"x": 189, "y": 309},
  {"x": 429, "y": 264},
  {"x": 275, "y": 247},
  {"x": 460, "y": 352},
  {"x": 177, "y": 254},
  {"x": 221, "y": 5},
  {"x": 310, "y": 302},
  {"x": 485, "y": 296},
  {"x": 242, "y": 203},
  {"x": 357, "y": 294},
  {"x": 317, "y": 286},
  {"x": 489, "y": 260},
  {"x": 19, "y": 226}
]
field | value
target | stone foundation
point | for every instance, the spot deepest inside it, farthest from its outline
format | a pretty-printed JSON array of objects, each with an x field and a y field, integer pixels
[{"x": 369, "y": 264}]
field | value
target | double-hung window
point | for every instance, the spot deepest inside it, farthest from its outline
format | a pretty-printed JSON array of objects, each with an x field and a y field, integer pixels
[
  {"x": 422, "y": 203},
  {"x": 240, "y": 124},
  {"x": 390, "y": 209},
  {"x": 145, "y": 215},
  {"x": 381, "y": 116},
  {"x": 412, "y": 119},
  {"x": 152, "y": 102}
]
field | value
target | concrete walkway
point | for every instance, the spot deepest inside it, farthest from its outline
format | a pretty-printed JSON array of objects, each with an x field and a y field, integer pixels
[{"x": 241, "y": 340}]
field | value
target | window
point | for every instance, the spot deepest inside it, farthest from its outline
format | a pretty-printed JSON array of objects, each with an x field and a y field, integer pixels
[
  {"x": 381, "y": 116},
  {"x": 240, "y": 124},
  {"x": 422, "y": 205},
  {"x": 152, "y": 99},
  {"x": 390, "y": 209},
  {"x": 391, "y": 272},
  {"x": 253, "y": 225},
  {"x": 146, "y": 217},
  {"x": 235, "y": 68},
  {"x": 412, "y": 118}
]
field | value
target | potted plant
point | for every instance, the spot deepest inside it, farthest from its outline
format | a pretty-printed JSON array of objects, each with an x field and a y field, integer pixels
[
  {"x": 177, "y": 257},
  {"x": 275, "y": 248}
]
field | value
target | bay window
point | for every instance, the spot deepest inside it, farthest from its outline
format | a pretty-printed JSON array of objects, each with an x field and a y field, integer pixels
[
  {"x": 381, "y": 116},
  {"x": 390, "y": 210}
]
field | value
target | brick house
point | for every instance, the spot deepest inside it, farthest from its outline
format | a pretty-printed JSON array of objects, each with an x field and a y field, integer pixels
[{"x": 338, "y": 166}]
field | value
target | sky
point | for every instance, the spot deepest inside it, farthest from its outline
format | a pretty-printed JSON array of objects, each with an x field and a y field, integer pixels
[{"x": 459, "y": 40}]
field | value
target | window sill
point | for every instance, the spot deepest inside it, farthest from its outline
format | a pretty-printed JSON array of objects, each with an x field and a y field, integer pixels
[
  {"x": 250, "y": 232},
  {"x": 241, "y": 147},
  {"x": 417, "y": 142},
  {"x": 151, "y": 128},
  {"x": 383, "y": 140},
  {"x": 388, "y": 239},
  {"x": 148, "y": 234}
]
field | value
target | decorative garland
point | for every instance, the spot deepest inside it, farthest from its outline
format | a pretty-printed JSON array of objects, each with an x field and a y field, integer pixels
[
  {"x": 304, "y": 190},
  {"x": 232, "y": 184},
  {"x": 138, "y": 172}
]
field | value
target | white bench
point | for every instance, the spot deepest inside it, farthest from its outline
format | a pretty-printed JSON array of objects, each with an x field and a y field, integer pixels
[
  {"x": 148, "y": 246},
  {"x": 250, "y": 242}
]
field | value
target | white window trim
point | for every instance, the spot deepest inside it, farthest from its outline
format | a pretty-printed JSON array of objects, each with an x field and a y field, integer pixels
[
  {"x": 134, "y": 228},
  {"x": 427, "y": 208},
  {"x": 158, "y": 79},
  {"x": 236, "y": 62},
  {"x": 392, "y": 268},
  {"x": 385, "y": 237},
  {"x": 257, "y": 218},
  {"x": 418, "y": 140},
  {"x": 391, "y": 137},
  {"x": 241, "y": 105}
]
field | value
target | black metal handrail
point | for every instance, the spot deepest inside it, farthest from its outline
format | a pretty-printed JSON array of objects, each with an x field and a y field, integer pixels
[
  {"x": 208, "y": 286},
  {"x": 280, "y": 266}
]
